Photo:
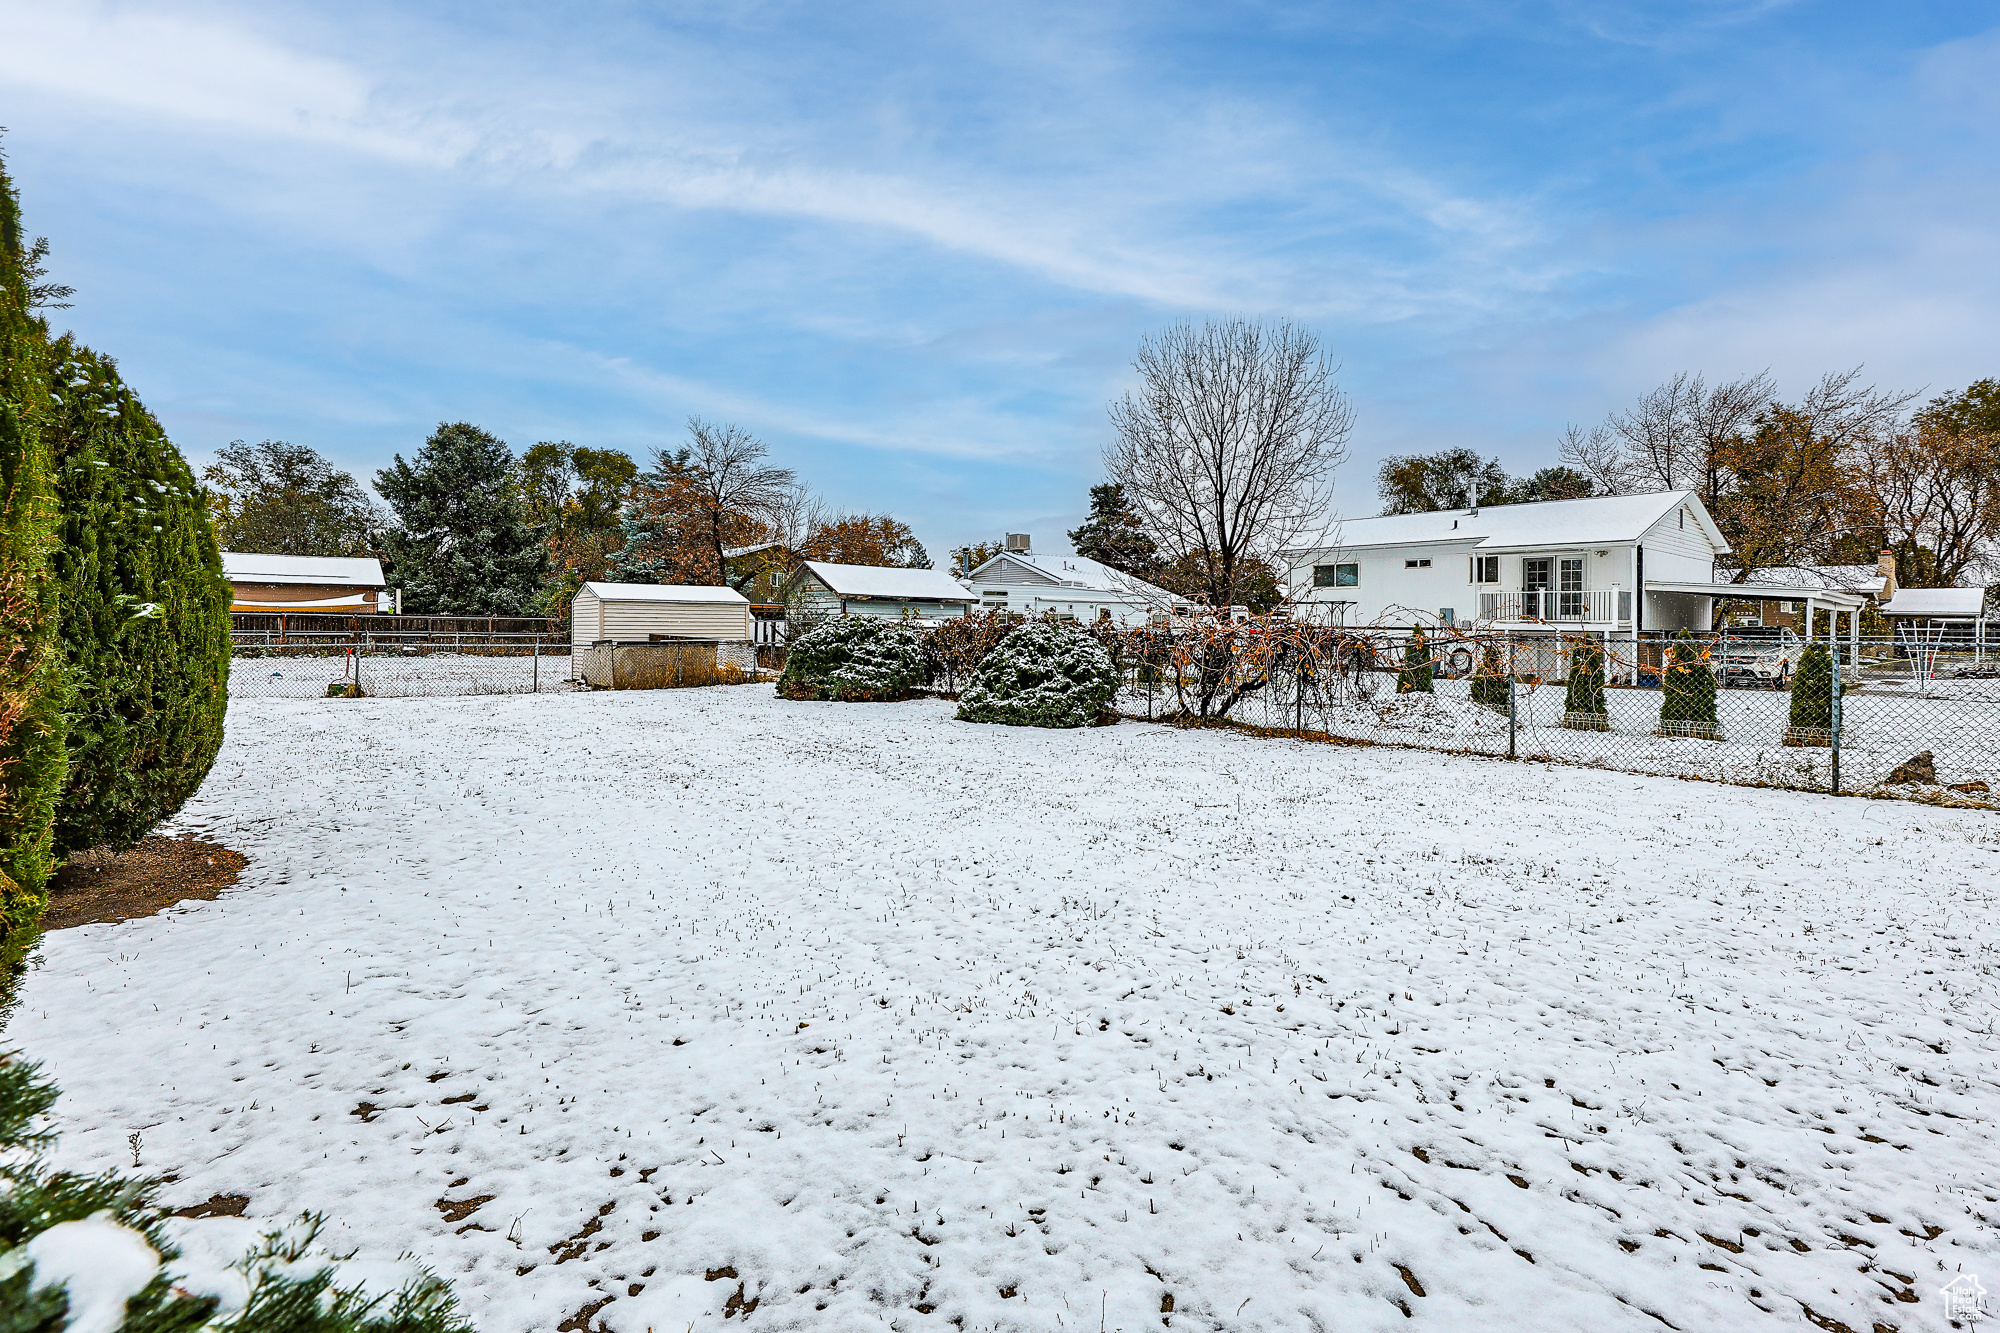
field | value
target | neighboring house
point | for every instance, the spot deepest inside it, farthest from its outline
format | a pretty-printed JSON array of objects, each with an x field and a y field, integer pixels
[
  {"x": 655, "y": 613},
  {"x": 1615, "y": 565},
  {"x": 877, "y": 590},
  {"x": 1068, "y": 587},
  {"x": 350, "y": 585}
]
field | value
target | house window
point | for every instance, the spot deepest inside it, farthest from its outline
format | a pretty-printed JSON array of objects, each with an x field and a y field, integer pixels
[
  {"x": 1336, "y": 576},
  {"x": 1416, "y": 564},
  {"x": 1486, "y": 569}
]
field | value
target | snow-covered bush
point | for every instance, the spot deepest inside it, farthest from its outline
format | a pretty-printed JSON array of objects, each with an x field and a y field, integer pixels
[
  {"x": 855, "y": 660},
  {"x": 1043, "y": 674},
  {"x": 95, "y": 1254}
]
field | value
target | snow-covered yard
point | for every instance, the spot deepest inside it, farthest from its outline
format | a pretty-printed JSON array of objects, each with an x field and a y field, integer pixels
[{"x": 661, "y": 1004}]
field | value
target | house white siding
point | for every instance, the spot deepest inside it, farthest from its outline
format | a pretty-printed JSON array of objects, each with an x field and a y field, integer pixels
[{"x": 1677, "y": 554}]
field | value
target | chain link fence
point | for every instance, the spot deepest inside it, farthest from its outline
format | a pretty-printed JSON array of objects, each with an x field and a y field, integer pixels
[
  {"x": 371, "y": 669},
  {"x": 1917, "y": 719}
]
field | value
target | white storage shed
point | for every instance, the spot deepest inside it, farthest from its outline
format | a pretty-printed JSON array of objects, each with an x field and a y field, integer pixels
[{"x": 643, "y": 612}]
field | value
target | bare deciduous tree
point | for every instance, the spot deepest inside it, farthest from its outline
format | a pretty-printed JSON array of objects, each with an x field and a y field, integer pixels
[
  {"x": 1228, "y": 450},
  {"x": 735, "y": 494},
  {"x": 1227, "y": 453},
  {"x": 1673, "y": 439},
  {"x": 1934, "y": 493}
]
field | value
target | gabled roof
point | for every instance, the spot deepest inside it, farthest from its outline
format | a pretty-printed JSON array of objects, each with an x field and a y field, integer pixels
[
  {"x": 1599, "y": 520},
  {"x": 888, "y": 583},
  {"x": 1078, "y": 571},
  {"x": 666, "y": 592},
  {"x": 1941, "y": 603},
  {"x": 257, "y": 567}
]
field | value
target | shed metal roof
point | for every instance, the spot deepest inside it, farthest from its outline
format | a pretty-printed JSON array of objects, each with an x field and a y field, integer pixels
[
  {"x": 259, "y": 567},
  {"x": 666, "y": 592}
]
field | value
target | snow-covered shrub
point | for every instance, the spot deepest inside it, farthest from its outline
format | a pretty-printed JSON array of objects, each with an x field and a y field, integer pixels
[
  {"x": 1043, "y": 674},
  {"x": 855, "y": 660},
  {"x": 95, "y": 1254}
]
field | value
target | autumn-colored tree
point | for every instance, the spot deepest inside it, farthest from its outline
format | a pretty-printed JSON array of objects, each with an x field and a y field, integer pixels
[
  {"x": 1193, "y": 575},
  {"x": 1930, "y": 491},
  {"x": 866, "y": 539},
  {"x": 1787, "y": 491},
  {"x": 1452, "y": 479}
]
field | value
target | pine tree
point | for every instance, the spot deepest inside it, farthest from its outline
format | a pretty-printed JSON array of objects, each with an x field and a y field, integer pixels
[
  {"x": 1687, "y": 692},
  {"x": 1583, "y": 699},
  {"x": 1418, "y": 669},
  {"x": 1489, "y": 682},
  {"x": 1812, "y": 698},
  {"x": 145, "y": 624},
  {"x": 33, "y": 679},
  {"x": 463, "y": 547},
  {"x": 1114, "y": 534}
]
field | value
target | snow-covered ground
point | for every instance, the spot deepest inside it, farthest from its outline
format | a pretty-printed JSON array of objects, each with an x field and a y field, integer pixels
[{"x": 889, "y": 1021}]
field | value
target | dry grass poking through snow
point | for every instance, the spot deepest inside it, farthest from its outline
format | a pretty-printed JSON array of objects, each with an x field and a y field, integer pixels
[{"x": 630, "y": 1011}]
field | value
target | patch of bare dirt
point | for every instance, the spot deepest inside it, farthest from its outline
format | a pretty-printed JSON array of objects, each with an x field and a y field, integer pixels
[{"x": 104, "y": 886}]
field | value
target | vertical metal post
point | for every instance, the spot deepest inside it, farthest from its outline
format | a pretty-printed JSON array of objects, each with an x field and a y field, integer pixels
[
  {"x": 1835, "y": 718},
  {"x": 1512, "y": 706},
  {"x": 536, "y": 688}
]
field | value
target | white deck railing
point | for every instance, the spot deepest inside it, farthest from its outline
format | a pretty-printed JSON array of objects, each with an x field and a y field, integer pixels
[{"x": 1595, "y": 606}]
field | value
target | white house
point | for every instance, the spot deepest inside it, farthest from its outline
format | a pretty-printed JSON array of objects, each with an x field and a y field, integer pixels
[
  {"x": 1615, "y": 565},
  {"x": 1068, "y": 587},
  {"x": 878, "y": 590}
]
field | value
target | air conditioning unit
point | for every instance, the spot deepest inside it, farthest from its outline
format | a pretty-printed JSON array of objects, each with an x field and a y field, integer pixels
[{"x": 1017, "y": 541}]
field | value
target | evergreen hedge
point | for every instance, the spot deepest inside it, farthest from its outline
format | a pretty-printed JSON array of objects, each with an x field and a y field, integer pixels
[
  {"x": 33, "y": 681},
  {"x": 1812, "y": 698},
  {"x": 110, "y": 1225},
  {"x": 1583, "y": 698},
  {"x": 1043, "y": 674},
  {"x": 1418, "y": 669},
  {"x": 145, "y": 625},
  {"x": 1687, "y": 692},
  {"x": 855, "y": 659}
]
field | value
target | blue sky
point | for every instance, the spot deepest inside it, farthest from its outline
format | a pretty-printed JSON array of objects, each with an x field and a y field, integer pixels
[{"x": 913, "y": 246}]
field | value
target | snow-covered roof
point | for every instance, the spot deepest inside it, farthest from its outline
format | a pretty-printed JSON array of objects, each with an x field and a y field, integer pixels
[
  {"x": 905, "y": 585},
  {"x": 256, "y": 567},
  {"x": 1078, "y": 571},
  {"x": 733, "y": 552},
  {"x": 666, "y": 592},
  {"x": 1600, "y": 520},
  {"x": 1941, "y": 603},
  {"x": 1848, "y": 578}
]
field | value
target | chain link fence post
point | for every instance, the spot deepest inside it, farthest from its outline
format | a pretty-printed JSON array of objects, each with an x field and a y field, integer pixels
[
  {"x": 1834, "y": 717},
  {"x": 1512, "y": 705}
]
